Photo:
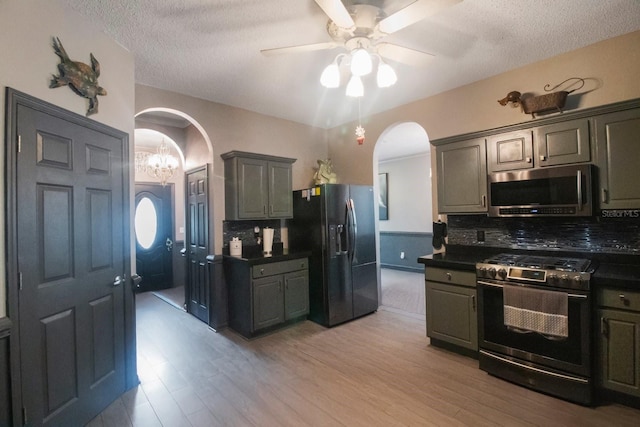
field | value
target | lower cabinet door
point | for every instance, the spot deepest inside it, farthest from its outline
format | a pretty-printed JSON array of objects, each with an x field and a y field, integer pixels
[
  {"x": 296, "y": 294},
  {"x": 452, "y": 314},
  {"x": 268, "y": 302},
  {"x": 619, "y": 345}
]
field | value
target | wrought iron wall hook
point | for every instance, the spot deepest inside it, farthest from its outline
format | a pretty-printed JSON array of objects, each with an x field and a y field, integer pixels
[{"x": 580, "y": 79}]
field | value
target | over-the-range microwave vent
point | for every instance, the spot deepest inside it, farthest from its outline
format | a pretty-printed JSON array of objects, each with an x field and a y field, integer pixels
[{"x": 563, "y": 191}]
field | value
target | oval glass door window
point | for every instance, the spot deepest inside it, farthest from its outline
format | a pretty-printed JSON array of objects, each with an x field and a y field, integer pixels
[{"x": 146, "y": 223}]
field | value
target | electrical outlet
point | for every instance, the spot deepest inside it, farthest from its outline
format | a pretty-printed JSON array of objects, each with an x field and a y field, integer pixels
[{"x": 401, "y": 255}]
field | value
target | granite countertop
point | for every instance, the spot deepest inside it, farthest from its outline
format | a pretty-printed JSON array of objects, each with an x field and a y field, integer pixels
[
  {"x": 456, "y": 261},
  {"x": 257, "y": 257}
]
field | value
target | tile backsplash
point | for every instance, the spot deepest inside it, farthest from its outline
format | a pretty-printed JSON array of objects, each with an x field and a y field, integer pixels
[
  {"x": 596, "y": 235},
  {"x": 244, "y": 231}
]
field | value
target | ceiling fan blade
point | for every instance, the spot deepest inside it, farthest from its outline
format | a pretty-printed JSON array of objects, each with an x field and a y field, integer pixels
[
  {"x": 404, "y": 54},
  {"x": 336, "y": 11},
  {"x": 300, "y": 48},
  {"x": 413, "y": 13}
]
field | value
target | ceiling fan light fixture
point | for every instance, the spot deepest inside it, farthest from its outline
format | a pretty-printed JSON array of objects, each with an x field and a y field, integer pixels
[
  {"x": 386, "y": 76},
  {"x": 355, "y": 88},
  {"x": 361, "y": 63},
  {"x": 330, "y": 77}
]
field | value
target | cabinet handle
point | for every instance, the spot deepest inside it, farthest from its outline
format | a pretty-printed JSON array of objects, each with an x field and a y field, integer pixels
[
  {"x": 527, "y": 159},
  {"x": 623, "y": 299},
  {"x": 604, "y": 195},
  {"x": 448, "y": 276},
  {"x": 473, "y": 302},
  {"x": 484, "y": 200},
  {"x": 262, "y": 271},
  {"x": 603, "y": 327},
  {"x": 542, "y": 158},
  {"x": 264, "y": 209}
]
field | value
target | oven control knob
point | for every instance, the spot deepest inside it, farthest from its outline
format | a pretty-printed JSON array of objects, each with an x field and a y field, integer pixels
[
  {"x": 564, "y": 278},
  {"x": 577, "y": 280},
  {"x": 502, "y": 273},
  {"x": 553, "y": 278},
  {"x": 482, "y": 271},
  {"x": 492, "y": 273}
]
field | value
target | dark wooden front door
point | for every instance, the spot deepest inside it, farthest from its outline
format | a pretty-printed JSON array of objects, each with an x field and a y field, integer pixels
[
  {"x": 154, "y": 242},
  {"x": 197, "y": 243},
  {"x": 70, "y": 209}
]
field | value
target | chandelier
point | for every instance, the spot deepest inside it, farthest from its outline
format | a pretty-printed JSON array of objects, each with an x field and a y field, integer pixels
[
  {"x": 161, "y": 165},
  {"x": 360, "y": 62}
]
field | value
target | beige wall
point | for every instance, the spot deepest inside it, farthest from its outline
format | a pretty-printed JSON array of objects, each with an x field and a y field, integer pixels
[
  {"x": 229, "y": 128},
  {"x": 28, "y": 61},
  {"x": 409, "y": 184},
  {"x": 611, "y": 69}
]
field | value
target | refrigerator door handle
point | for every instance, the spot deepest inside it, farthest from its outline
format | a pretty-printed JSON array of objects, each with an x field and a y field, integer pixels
[{"x": 354, "y": 228}]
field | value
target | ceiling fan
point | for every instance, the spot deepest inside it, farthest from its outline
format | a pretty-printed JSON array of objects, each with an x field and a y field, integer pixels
[{"x": 363, "y": 26}]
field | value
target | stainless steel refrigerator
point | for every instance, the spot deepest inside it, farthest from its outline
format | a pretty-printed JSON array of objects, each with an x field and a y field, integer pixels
[{"x": 336, "y": 223}]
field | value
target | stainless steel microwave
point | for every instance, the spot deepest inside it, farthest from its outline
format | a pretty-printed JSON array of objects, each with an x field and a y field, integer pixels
[{"x": 549, "y": 191}]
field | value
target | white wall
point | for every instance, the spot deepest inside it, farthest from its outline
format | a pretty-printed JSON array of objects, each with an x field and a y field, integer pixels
[
  {"x": 28, "y": 61},
  {"x": 409, "y": 192}
]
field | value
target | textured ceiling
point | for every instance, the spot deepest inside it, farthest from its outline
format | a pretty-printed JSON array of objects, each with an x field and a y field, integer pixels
[{"x": 211, "y": 48}]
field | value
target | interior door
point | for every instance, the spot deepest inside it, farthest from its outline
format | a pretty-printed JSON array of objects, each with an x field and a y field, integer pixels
[
  {"x": 154, "y": 242},
  {"x": 197, "y": 243},
  {"x": 70, "y": 240}
]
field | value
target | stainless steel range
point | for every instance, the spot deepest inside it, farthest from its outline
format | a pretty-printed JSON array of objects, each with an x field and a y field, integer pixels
[{"x": 534, "y": 323}]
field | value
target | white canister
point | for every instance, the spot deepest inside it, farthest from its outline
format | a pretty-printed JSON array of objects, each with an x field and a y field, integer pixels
[{"x": 235, "y": 247}]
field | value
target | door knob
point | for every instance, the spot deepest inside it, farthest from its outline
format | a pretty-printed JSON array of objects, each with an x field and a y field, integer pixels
[
  {"x": 169, "y": 244},
  {"x": 117, "y": 281}
]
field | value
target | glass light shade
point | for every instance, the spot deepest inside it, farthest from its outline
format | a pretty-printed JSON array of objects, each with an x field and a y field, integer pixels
[
  {"x": 355, "y": 88},
  {"x": 386, "y": 76},
  {"x": 361, "y": 63},
  {"x": 330, "y": 77}
]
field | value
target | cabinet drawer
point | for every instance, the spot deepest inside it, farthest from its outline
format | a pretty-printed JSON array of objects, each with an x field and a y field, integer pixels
[
  {"x": 444, "y": 275},
  {"x": 619, "y": 298},
  {"x": 262, "y": 270}
]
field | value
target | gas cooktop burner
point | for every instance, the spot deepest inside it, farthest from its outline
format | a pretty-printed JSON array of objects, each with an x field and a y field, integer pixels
[
  {"x": 552, "y": 271},
  {"x": 541, "y": 262}
]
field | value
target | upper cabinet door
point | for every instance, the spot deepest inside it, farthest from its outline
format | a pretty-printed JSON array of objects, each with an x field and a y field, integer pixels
[
  {"x": 462, "y": 177},
  {"x": 509, "y": 151},
  {"x": 252, "y": 189},
  {"x": 618, "y": 157},
  {"x": 563, "y": 143},
  {"x": 280, "y": 190}
]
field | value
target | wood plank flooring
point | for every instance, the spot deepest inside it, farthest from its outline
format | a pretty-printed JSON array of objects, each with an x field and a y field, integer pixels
[{"x": 376, "y": 371}]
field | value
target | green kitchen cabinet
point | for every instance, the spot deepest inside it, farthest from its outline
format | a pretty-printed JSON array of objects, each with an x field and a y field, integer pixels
[
  {"x": 619, "y": 341},
  {"x": 510, "y": 151},
  {"x": 257, "y": 186},
  {"x": 266, "y": 296},
  {"x": 451, "y": 308},
  {"x": 562, "y": 143},
  {"x": 618, "y": 158},
  {"x": 462, "y": 177}
]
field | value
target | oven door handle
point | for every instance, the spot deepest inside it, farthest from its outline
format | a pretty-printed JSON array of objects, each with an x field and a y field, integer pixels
[{"x": 497, "y": 285}]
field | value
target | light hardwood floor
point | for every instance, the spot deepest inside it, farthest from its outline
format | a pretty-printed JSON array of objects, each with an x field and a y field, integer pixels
[{"x": 376, "y": 371}]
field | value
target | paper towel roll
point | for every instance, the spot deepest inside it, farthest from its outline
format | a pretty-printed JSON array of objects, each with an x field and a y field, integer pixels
[{"x": 267, "y": 240}]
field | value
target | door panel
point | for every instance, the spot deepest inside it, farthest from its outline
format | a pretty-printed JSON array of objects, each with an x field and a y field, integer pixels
[
  {"x": 154, "y": 262},
  {"x": 197, "y": 243},
  {"x": 69, "y": 246},
  {"x": 364, "y": 224}
]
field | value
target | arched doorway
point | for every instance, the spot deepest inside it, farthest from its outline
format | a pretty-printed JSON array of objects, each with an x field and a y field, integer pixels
[
  {"x": 402, "y": 168},
  {"x": 186, "y": 139}
]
